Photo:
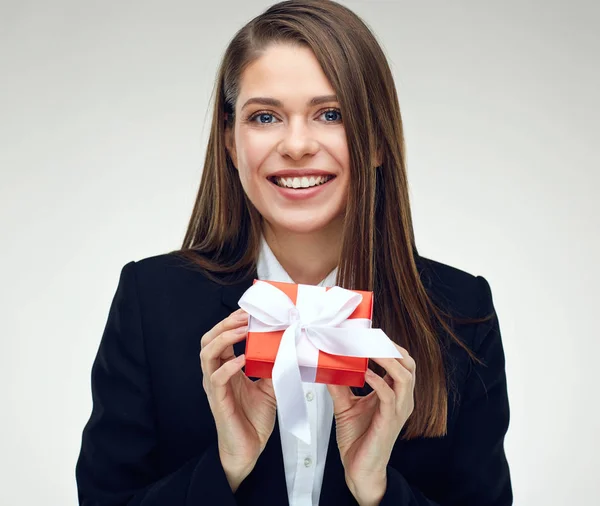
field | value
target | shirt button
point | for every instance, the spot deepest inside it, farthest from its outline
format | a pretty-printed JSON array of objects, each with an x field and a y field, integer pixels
[
  {"x": 309, "y": 396},
  {"x": 307, "y": 462}
]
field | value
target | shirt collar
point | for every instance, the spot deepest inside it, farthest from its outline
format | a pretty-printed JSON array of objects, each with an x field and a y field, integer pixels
[{"x": 268, "y": 268}]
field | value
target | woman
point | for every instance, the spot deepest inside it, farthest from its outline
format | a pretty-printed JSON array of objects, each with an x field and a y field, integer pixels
[{"x": 304, "y": 181}]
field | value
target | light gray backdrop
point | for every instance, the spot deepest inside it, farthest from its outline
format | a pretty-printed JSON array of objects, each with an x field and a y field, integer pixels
[{"x": 103, "y": 128}]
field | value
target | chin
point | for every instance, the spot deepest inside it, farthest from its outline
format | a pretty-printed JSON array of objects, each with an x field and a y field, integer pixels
[{"x": 303, "y": 225}]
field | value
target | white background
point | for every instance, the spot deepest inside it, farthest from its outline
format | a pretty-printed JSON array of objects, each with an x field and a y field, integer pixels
[{"x": 103, "y": 125}]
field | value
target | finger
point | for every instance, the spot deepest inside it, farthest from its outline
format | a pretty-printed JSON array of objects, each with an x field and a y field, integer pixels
[
  {"x": 220, "y": 378},
  {"x": 342, "y": 398},
  {"x": 395, "y": 369},
  {"x": 220, "y": 349},
  {"x": 234, "y": 320},
  {"x": 386, "y": 395},
  {"x": 389, "y": 380},
  {"x": 406, "y": 360},
  {"x": 222, "y": 345},
  {"x": 398, "y": 378}
]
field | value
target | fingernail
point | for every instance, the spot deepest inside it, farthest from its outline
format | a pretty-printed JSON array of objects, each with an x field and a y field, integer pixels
[{"x": 242, "y": 330}]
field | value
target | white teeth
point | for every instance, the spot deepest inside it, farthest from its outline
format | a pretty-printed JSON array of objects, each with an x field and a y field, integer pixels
[{"x": 301, "y": 182}]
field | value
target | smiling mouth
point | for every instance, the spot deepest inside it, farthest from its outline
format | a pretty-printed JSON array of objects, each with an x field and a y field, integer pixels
[{"x": 300, "y": 183}]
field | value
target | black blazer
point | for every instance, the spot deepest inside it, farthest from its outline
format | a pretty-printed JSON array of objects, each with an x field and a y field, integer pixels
[{"x": 151, "y": 438}]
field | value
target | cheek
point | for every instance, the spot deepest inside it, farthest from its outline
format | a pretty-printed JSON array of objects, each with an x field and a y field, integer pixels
[
  {"x": 339, "y": 149},
  {"x": 253, "y": 148}
]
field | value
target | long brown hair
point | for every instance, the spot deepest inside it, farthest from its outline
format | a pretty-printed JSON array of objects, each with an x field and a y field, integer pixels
[{"x": 224, "y": 230}]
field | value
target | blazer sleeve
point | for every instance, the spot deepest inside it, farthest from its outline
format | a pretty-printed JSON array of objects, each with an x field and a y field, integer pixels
[
  {"x": 117, "y": 465},
  {"x": 478, "y": 472}
]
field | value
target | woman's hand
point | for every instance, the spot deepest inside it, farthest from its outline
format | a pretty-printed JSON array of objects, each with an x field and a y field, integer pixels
[
  {"x": 244, "y": 410},
  {"x": 367, "y": 427}
]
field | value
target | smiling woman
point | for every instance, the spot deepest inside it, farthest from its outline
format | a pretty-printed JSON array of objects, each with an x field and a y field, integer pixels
[{"x": 304, "y": 181}]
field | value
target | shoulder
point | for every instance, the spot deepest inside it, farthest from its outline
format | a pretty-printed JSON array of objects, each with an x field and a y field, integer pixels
[
  {"x": 167, "y": 280},
  {"x": 166, "y": 270},
  {"x": 460, "y": 293},
  {"x": 464, "y": 293},
  {"x": 178, "y": 276}
]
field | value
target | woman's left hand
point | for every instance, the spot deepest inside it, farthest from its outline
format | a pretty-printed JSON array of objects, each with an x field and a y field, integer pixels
[{"x": 367, "y": 427}]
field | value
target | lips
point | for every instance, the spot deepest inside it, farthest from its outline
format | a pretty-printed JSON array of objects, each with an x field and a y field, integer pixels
[
  {"x": 302, "y": 182},
  {"x": 300, "y": 179}
]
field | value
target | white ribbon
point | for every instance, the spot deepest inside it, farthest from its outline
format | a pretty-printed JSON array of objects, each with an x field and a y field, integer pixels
[{"x": 318, "y": 321}]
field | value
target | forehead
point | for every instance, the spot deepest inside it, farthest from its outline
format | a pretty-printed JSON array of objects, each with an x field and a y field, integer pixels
[{"x": 288, "y": 73}]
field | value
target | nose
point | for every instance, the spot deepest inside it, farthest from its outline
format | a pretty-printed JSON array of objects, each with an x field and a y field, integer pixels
[{"x": 298, "y": 140}]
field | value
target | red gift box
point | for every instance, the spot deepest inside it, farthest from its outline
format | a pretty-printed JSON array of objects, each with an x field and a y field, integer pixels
[{"x": 262, "y": 347}]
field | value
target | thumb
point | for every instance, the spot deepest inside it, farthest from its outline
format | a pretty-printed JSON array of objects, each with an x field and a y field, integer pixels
[{"x": 342, "y": 397}]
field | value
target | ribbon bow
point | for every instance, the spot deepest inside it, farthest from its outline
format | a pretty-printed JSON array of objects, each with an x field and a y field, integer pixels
[{"x": 318, "y": 322}]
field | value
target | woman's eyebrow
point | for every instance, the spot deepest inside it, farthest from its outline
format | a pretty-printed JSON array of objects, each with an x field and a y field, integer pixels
[{"x": 273, "y": 102}]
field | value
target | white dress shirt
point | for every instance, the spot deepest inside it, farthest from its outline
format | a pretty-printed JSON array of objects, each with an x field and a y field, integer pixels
[{"x": 304, "y": 464}]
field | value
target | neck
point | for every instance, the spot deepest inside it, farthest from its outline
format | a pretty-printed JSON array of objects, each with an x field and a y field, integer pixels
[{"x": 307, "y": 258}]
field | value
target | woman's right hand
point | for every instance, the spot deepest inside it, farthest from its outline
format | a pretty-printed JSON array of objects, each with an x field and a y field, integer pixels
[{"x": 244, "y": 410}]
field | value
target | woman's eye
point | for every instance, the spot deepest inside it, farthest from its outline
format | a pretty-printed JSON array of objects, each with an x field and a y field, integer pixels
[
  {"x": 332, "y": 115},
  {"x": 261, "y": 116}
]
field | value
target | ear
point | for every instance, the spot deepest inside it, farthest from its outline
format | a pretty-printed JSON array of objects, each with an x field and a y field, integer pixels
[{"x": 230, "y": 144}]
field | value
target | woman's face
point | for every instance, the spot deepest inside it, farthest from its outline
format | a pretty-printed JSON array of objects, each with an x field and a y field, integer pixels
[{"x": 289, "y": 144}]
